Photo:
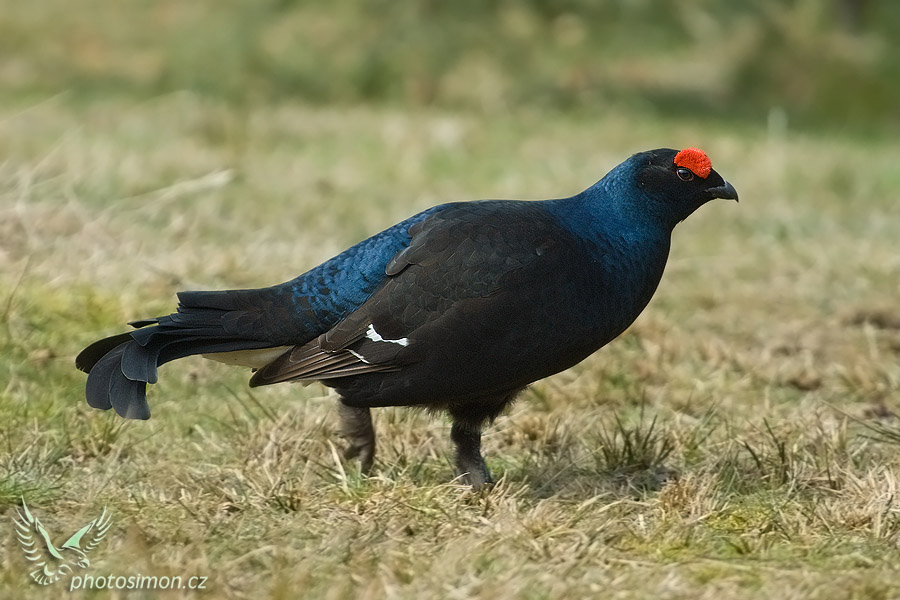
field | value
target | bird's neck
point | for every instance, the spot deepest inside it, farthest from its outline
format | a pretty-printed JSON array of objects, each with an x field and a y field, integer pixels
[{"x": 610, "y": 222}]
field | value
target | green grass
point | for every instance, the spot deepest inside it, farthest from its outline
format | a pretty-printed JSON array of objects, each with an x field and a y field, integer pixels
[
  {"x": 698, "y": 456},
  {"x": 732, "y": 60}
]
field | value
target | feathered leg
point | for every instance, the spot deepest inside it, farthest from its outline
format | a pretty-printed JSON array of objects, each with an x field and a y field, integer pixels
[
  {"x": 468, "y": 420},
  {"x": 469, "y": 462},
  {"x": 356, "y": 428}
]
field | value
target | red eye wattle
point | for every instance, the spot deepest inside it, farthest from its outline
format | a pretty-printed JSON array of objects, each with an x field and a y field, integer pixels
[{"x": 694, "y": 160}]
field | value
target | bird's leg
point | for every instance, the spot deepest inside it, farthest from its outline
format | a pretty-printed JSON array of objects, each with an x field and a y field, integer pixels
[
  {"x": 469, "y": 462},
  {"x": 356, "y": 428}
]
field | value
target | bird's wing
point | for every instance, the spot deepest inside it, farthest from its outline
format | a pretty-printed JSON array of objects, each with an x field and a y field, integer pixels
[
  {"x": 99, "y": 526},
  {"x": 458, "y": 257},
  {"x": 34, "y": 540}
]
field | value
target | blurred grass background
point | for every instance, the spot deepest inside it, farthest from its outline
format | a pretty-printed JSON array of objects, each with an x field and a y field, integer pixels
[{"x": 816, "y": 63}]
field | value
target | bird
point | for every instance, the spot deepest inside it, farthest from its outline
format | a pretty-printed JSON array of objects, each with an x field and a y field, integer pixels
[
  {"x": 55, "y": 563},
  {"x": 456, "y": 309}
]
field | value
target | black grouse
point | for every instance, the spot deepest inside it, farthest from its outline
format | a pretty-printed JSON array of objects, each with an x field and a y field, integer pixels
[{"x": 457, "y": 308}]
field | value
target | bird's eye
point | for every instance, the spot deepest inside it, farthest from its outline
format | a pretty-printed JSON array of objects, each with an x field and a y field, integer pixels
[{"x": 684, "y": 174}]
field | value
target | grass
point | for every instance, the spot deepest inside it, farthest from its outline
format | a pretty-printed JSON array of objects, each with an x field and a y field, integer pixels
[
  {"x": 721, "y": 448},
  {"x": 805, "y": 61}
]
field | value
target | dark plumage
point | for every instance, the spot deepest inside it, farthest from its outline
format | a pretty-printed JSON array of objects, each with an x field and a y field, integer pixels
[{"x": 456, "y": 308}]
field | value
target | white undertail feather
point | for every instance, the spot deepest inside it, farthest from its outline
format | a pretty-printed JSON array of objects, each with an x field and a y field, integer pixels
[{"x": 255, "y": 359}]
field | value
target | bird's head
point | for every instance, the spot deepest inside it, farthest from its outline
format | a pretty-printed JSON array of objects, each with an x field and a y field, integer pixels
[{"x": 675, "y": 183}]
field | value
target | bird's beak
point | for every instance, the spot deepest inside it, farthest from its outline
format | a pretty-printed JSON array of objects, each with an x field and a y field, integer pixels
[{"x": 725, "y": 191}]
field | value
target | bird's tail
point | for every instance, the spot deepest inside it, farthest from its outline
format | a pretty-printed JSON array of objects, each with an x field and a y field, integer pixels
[{"x": 120, "y": 367}]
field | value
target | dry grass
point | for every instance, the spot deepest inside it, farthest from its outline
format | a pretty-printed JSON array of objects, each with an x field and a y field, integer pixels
[{"x": 699, "y": 456}]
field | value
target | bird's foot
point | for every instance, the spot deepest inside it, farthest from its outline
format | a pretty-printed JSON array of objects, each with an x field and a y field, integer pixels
[
  {"x": 477, "y": 475},
  {"x": 356, "y": 427}
]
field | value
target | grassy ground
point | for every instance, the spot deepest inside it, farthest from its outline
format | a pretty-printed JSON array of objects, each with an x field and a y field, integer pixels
[{"x": 705, "y": 454}]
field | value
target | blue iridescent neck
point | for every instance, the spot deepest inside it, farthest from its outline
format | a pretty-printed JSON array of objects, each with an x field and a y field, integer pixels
[{"x": 613, "y": 210}]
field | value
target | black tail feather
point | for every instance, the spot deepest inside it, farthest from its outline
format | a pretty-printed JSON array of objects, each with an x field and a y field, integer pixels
[
  {"x": 139, "y": 364},
  {"x": 228, "y": 301},
  {"x": 89, "y": 357},
  {"x": 107, "y": 387},
  {"x": 120, "y": 367},
  {"x": 143, "y": 322},
  {"x": 128, "y": 397},
  {"x": 207, "y": 346},
  {"x": 101, "y": 373}
]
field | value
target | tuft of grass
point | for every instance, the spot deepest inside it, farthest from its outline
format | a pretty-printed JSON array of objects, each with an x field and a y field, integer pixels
[
  {"x": 772, "y": 459},
  {"x": 636, "y": 453}
]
